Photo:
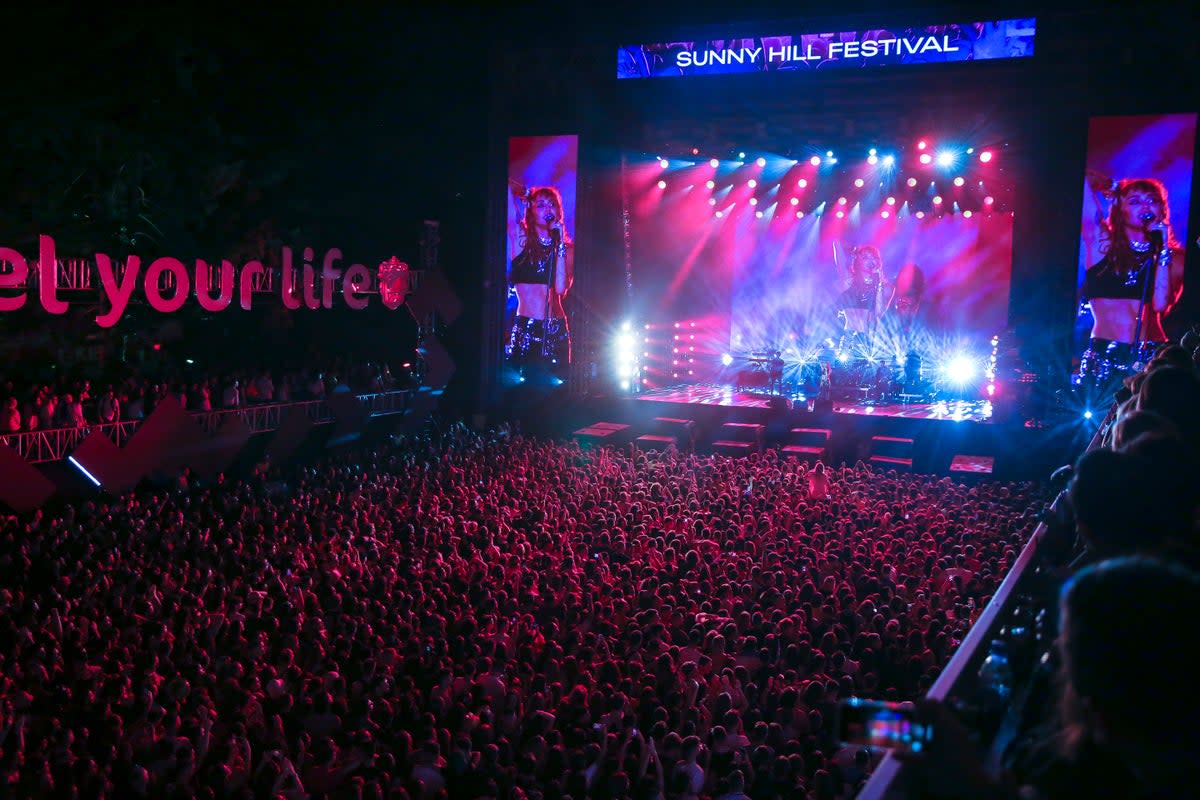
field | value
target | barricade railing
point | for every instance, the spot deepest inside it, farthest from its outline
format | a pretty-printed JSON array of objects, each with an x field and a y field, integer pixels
[
  {"x": 885, "y": 780},
  {"x": 55, "y": 444}
]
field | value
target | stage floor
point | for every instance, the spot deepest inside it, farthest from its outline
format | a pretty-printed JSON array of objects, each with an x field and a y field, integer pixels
[{"x": 729, "y": 397}]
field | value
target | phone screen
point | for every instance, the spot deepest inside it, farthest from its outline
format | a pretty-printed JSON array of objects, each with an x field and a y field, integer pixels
[{"x": 880, "y": 724}]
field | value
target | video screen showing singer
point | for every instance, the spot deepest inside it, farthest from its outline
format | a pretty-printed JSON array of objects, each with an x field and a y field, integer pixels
[
  {"x": 541, "y": 275},
  {"x": 1136, "y": 283}
]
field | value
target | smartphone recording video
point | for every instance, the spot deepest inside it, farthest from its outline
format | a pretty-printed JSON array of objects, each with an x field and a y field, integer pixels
[{"x": 879, "y": 724}]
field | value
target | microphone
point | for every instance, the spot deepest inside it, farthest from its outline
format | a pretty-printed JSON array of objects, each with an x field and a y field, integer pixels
[{"x": 1156, "y": 235}]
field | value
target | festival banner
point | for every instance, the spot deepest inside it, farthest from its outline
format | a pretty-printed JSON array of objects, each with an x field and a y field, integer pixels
[{"x": 935, "y": 44}]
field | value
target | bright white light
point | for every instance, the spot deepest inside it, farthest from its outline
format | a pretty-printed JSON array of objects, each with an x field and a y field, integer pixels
[
  {"x": 712, "y": 201},
  {"x": 710, "y": 184},
  {"x": 872, "y": 151},
  {"x": 959, "y": 181},
  {"x": 714, "y": 163},
  {"x": 726, "y": 359},
  {"x": 985, "y": 156},
  {"x": 625, "y": 386},
  {"x": 858, "y": 183},
  {"x": 872, "y": 160},
  {"x": 662, "y": 184},
  {"x": 815, "y": 161},
  {"x": 912, "y": 182},
  {"x": 891, "y": 201},
  {"x": 624, "y": 370},
  {"x": 802, "y": 183},
  {"x": 843, "y": 357},
  {"x": 762, "y": 162},
  {"x": 753, "y": 201},
  {"x": 795, "y": 201},
  {"x": 960, "y": 370},
  {"x": 83, "y": 469},
  {"x": 1087, "y": 414},
  {"x": 664, "y": 163},
  {"x": 946, "y": 158},
  {"x": 626, "y": 325},
  {"x": 752, "y": 183},
  {"x": 926, "y": 158},
  {"x": 742, "y": 155},
  {"x": 889, "y": 161},
  {"x": 758, "y": 214}
]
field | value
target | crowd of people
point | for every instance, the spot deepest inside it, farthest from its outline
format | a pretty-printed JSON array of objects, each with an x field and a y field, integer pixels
[
  {"x": 464, "y": 615},
  {"x": 80, "y": 402}
]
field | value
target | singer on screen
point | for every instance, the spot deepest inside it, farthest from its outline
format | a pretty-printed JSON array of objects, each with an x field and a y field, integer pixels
[
  {"x": 1136, "y": 283},
  {"x": 541, "y": 275}
]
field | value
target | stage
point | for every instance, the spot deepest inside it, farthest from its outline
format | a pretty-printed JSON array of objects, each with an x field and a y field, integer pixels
[{"x": 906, "y": 407}]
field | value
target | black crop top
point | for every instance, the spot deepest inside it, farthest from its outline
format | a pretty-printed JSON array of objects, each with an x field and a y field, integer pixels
[
  {"x": 1107, "y": 280},
  {"x": 531, "y": 267}
]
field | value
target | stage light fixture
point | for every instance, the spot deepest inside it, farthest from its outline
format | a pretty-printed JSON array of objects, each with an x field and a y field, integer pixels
[
  {"x": 985, "y": 156},
  {"x": 752, "y": 183},
  {"x": 662, "y": 184},
  {"x": 802, "y": 183},
  {"x": 920, "y": 215},
  {"x": 987, "y": 201},
  {"x": 815, "y": 161},
  {"x": 841, "y": 201},
  {"x": 889, "y": 161},
  {"x": 795, "y": 201},
  {"x": 946, "y": 158},
  {"x": 695, "y": 151},
  {"x": 753, "y": 201},
  {"x": 712, "y": 162},
  {"x": 726, "y": 359},
  {"x": 960, "y": 370},
  {"x": 742, "y": 156},
  {"x": 912, "y": 182},
  {"x": 872, "y": 151},
  {"x": 970, "y": 150},
  {"x": 858, "y": 183},
  {"x": 799, "y": 215},
  {"x": 959, "y": 181},
  {"x": 872, "y": 160},
  {"x": 758, "y": 214},
  {"x": 926, "y": 158},
  {"x": 719, "y": 214},
  {"x": 967, "y": 213},
  {"x": 710, "y": 184},
  {"x": 891, "y": 201},
  {"x": 829, "y": 154},
  {"x": 841, "y": 214},
  {"x": 762, "y": 162},
  {"x": 712, "y": 201},
  {"x": 937, "y": 199},
  {"x": 662, "y": 162},
  {"x": 831, "y": 161},
  {"x": 884, "y": 214},
  {"x": 991, "y": 390},
  {"x": 921, "y": 145},
  {"x": 1087, "y": 414}
]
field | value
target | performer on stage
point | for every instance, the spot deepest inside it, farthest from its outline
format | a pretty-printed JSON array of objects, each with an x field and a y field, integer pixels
[
  {"x": 864, "y": 301},
  {"x": 541, "y": 274},
  {"x": 1136, "y": 283}
]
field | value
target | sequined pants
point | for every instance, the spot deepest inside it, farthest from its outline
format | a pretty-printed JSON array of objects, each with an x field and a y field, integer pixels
[
  {"x": 539, "y": 342},
  {"x": 1105, "y": 361}
]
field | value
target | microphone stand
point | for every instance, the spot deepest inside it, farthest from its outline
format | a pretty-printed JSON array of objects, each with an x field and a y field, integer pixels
[{"x": 555, "y": 244}]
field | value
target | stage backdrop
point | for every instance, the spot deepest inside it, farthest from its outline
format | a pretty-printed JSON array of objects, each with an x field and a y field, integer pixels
[
  {"x": 1158, "y": 148},
  {"x": 536, "y": 162}
]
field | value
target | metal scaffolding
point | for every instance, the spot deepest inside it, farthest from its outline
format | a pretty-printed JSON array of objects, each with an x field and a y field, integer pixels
[{"x": 55, "y": 444}]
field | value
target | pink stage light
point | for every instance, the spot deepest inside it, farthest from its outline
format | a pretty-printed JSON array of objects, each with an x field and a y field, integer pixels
[
  {"x": 967, "y": 213},
  {"x": 762, "y": 162},
  {"x": 912, "y": 182},
  {"x": 884, "y": 214},
  {"x": 985, "y": 156},
  {"x": 710, "y": 184},
  {"x": 926, "y": 158},
  {"x": 662, "y": 184},
  {"x": 815, "y": 161},
  {"x": 758, "y": 214},
  {"x": 795, "y": 201},
  {"x": 695, "y": 151},
  {"x": 719, "y": 215},
  {"x": 937, "y": 200},
  {"x": 891, "y": 201},
  {"x": 873, "y": 160},
  {"x": 662, "y": 162},
  {"x": 841, "y": 214},
  {"x": 841, "y": 201},
  {"x": 712, "y": 201},
  {"x": 987, "y": 201},
  {"x": 858, "y": 183},
  {"x": 802, "y": 183},
  {"x": 753, "y": 201},
  {"x": 712, "y": 162},
  {"x": 959, "y": 181},
  {"x": 921, "y": 145},
  {"x": 752, "y": 183},
  {"x": 920, "y": 215},
  {"x": 799, "y": 215}
]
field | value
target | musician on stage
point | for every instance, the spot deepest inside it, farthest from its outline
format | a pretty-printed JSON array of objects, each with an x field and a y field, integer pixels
[
  {"x": 1136, "y": 283},
  {"x": 864, "y": 300}
]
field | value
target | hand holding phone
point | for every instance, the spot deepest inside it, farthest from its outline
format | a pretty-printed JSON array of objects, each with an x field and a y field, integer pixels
[{"x": 895, "y": 726}]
